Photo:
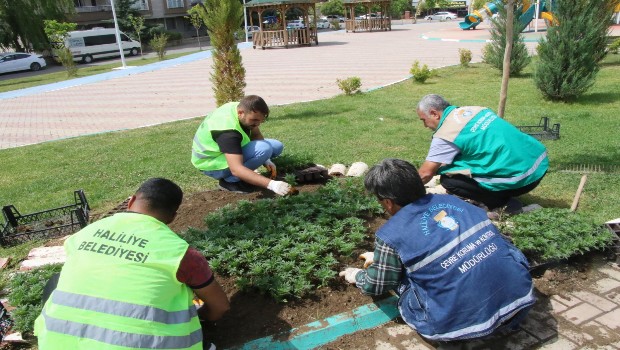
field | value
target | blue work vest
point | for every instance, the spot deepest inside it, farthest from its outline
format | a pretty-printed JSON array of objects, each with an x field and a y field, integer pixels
[{"x": 463, "y": 279}]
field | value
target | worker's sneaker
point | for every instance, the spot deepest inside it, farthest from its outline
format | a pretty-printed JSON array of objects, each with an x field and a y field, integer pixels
[
  {"x": 236, "y": 187},
  {"x": 208, "y": 346}
]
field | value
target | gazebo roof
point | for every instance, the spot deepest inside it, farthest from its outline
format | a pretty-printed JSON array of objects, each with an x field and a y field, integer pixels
[
  {"x": 362, "y": 1},
  {"x": 254, "y": 3}
]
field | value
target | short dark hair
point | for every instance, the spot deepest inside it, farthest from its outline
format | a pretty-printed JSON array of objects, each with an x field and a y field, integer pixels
[
  {"x": 162, "y": 195},
  {"x": 253, "y": 103},
  {"x": 395, "y": 179}
]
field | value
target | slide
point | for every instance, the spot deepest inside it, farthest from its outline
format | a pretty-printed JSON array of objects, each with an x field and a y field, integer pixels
[{"x": 525, "y": 14}]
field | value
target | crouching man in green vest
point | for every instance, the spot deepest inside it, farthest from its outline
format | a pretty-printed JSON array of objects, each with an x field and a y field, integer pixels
[
  {"x": 229, "y": 146},
  {"x": 129, "y": 281},
  {"x": 479, "y": 155}
]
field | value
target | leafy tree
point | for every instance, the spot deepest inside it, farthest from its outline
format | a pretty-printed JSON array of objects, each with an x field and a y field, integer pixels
[
  {"x": 222, "y": 18},
  {"x": 137, "y": 24},
  {"x": 124, "y": 12},
  {"x": 571, "y": 53},
  {"x": 21, "y": 22},
  {"x": 494, "y": 51},
  {"x": 398, "y": 7},
  {"x": 332, "y": 7},
  {"x": 196, "y": 20},
  {"x": 477, "y": 4},
  {"x": 56, "y": 33}
]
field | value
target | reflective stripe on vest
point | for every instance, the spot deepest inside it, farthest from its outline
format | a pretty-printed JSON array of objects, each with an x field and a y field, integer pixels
[
  {"x": 500, "y": 180},
  {"x": 500, "y": 316},
  {"x": 108, "y": 336},
  {"x": 446, "y": 248},
  {"x": 119, "y": 308}
]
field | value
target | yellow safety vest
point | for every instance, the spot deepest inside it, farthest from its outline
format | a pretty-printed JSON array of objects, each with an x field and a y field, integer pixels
[{"x": 118, "y": 290}]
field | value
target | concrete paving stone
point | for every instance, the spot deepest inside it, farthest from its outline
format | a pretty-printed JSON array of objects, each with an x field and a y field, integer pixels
[
  {"x": 556, "y": 306},
  {"x": 567, "y": 300},
  {"x": 579, "y": 337},
  {"x": 414, "y": 345},
  {"x": 605, "y": 285},
  {"x": 610, "y": 319},
  {"x": 521, "y": 340},
  {"x": 381, "y": 345},
  {"x": 399, "y": 330},
  {"x": 581, "y": 313},
  {"x": 594, "y": 299},
  {"x": 538, "y": 329},
  {"x": 601, "y": 332},
  {"x": 560, "y": 343},
  {"x": 611, "y": 272}
]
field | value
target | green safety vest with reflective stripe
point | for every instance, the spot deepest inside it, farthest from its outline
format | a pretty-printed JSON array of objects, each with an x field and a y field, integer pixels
[
  {"x": 206, "y": 154},
  {"x": 492, "y": 151},
  {"x": 118, "y": 290}
]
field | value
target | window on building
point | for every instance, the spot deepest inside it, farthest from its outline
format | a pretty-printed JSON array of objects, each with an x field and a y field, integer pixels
[{"x": 175, "y": 4}]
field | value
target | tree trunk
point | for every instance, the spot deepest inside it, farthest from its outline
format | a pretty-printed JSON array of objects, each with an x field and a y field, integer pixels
[{"x": 503, "y": 95}]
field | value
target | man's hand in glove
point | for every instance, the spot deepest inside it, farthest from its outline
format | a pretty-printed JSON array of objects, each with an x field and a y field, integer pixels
[
  {"x": 272, "y": 168},
  {"x": 279, "y": 187},
  {"x": 368, "y": 258},
  {"x": 349, "y": 274}
]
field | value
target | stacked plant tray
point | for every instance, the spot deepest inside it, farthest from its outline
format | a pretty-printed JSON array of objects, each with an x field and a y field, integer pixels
[{"x": 18, "y": 228}]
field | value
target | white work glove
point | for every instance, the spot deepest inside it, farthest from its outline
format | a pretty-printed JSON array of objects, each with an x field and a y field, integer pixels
[
  {"x": 368, "y": 257},
  {"x": 349, "y": 274},
  {"x": 279, "y": 187},
  {"x": 272, "y": 168}
]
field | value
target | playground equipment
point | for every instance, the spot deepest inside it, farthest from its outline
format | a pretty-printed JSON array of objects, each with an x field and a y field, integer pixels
[{"x": 525, "y": 14}]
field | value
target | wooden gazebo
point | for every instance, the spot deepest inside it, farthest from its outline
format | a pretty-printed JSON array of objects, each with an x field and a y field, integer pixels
[
  {"x": 277, "y": 34},
  {"x": 368, "y": 24}
]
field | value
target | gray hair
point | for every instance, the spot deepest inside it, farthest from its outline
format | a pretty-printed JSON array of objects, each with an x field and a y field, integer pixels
[
  {"x": 395, "y": 179},
  {"x": 432, "y": 101}
]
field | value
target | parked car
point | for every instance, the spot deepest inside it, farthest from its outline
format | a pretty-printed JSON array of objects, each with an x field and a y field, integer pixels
[
  {"x": 322, "y": 24},
  {"x": 17, "y": 61},
  {"x": 441, "y": 16},
  {"x": 295, "y": 24},
  {"x": 335, "y": 18},
  {"x": 367, "y": 16}
]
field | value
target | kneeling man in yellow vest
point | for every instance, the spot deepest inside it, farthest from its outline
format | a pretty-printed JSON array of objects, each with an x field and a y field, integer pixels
[{"x": 129, "y": 281}]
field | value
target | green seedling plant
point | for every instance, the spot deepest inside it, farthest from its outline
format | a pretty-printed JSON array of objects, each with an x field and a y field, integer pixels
[
  {"x": 554, "y": 234},
  {"x": 289, "y": 246},
  {"x": 26, "y": 293}
]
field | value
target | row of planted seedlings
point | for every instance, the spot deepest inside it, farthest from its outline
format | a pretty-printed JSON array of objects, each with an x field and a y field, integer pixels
[{"x": 287, "y": 247}]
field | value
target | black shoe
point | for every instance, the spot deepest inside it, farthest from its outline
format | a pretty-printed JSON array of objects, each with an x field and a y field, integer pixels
[
  {"x": 208, "y": 346},
  {"x": 236, "y": 187}
]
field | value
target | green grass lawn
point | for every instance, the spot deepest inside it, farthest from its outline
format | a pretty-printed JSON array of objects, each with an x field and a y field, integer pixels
[
  {"x": 41, "y": 79},
  {"x": 365, "y": 127}
]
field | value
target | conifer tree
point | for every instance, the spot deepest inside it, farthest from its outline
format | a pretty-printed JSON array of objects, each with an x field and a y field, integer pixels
[
  {"x": 223, "y": 18},
  {"x": 494, "y": 51},
  {"x": 571, "y": 53}
]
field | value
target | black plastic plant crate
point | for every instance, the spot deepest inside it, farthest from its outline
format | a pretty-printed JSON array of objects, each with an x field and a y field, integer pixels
[
  {"x": 542, "y": 131},
  {"x": 50, "y": 223},
  {"x": 614, "y": 227}
]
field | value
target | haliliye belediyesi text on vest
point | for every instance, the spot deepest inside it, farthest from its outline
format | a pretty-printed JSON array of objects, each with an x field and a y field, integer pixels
[{"x": 129, "y": 242}]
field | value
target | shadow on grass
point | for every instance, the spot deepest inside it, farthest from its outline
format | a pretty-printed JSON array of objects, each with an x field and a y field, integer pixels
[
  {"x": 325, "y": 112},
  {"x": 597, "y": 98}
]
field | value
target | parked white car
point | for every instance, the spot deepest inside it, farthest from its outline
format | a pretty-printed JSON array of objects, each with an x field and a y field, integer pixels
[
  {"x": 17, "y": 61},
  {"x": 295, "y": 24},
  {"x": 322, "y": 24},
  {"x": 441, "y": 16}
]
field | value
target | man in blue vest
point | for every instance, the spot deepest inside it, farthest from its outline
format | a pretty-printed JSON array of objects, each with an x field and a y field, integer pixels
[
  {"x": 479, "y": 155},
  {"x": 229, "y": 146},
  {"x": 456, "y": 276}
]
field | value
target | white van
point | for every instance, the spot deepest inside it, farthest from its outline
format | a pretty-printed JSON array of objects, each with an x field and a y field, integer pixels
[{"x": 86, "y": 45}]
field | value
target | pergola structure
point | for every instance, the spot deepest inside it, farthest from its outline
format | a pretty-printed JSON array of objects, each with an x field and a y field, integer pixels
[
  {"x": 381, "y": 22},
  {"x": 277, "y": 34}
]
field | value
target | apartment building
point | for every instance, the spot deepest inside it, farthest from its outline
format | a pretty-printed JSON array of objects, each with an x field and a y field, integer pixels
[{"x": 168, "y": 13}]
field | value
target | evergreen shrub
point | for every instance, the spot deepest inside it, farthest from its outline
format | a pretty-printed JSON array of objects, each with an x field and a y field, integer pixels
[
  {"x": 571, "y": 53},
  {"x": 465, "y": 57},
  {"x": 158, "y": 43},
  {"x": 493, "y": 52},
  {"x": 349, "y": 85},
  {"x": 420, "y": 73}
]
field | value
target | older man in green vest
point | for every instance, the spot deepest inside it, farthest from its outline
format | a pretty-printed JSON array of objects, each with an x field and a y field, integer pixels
[
  {"x": 229, "y": 146},
  {"x": 479, "y": 155},
  {"x": 129, "y": 281}
]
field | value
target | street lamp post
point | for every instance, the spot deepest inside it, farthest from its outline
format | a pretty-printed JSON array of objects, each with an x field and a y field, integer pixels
[
  {"x": 118, "y": 35},
  {"x": 245, "y": 22}
]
